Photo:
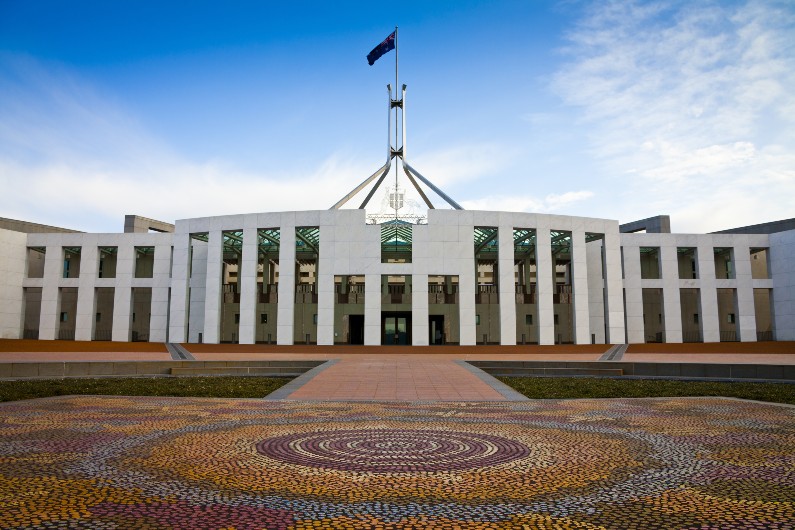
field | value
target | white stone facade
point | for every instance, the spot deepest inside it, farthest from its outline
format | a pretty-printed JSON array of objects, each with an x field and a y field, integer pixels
[
  {"x": 782, "y": 268},
  {"x": 605, "y": 289}
]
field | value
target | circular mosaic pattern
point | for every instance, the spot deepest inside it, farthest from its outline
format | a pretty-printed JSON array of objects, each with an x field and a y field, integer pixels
[{"x": 392, "y": 450}]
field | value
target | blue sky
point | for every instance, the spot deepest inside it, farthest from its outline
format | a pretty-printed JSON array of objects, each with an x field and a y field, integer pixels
[{"x": 620, "y": 110}]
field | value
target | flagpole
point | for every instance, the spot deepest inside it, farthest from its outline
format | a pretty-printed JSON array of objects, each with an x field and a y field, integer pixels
[
  {"x": 396, "y": 123},
  {"x": 396, "y": 61}
]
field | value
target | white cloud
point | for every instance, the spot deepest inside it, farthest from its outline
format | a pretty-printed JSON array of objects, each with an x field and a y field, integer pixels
[
  {"x": 690, "y": 105},
  {"x": 463, "y": 163},
  {"x": 84, "y": 197},
  {"x": 528, "y": 203},
  {"x": 71, "y": 157}
]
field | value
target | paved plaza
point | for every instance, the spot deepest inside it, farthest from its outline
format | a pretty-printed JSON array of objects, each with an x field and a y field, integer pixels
[{"x": 190, "y": 463}]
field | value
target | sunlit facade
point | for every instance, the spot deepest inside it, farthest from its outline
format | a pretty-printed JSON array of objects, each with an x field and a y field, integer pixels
[{"x": 449, "y": 277}]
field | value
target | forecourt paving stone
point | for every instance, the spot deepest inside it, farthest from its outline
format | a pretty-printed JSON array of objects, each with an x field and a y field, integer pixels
[
  {"x": 191, "y": 463},
  {"x": 397, "y": 377}
]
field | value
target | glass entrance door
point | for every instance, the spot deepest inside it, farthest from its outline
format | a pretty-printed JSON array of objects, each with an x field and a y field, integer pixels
[{"x": 396, "y": 329}]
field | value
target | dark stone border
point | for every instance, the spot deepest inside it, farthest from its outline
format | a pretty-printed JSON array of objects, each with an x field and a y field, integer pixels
[
  {"x": 284, "y": 391},
  {"x": 62, "y": 369},
  {"x": 507, "y": 392},
  {"x": 691, "y": 371}
]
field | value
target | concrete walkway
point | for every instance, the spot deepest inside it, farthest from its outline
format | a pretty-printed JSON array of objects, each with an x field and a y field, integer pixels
[
  {"x": 398, "y": 373},
  {"x": 398, "y": 377}
]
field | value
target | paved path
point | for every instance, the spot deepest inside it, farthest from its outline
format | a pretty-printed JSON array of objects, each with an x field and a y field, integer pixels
[{"x": 397, "y": 377}]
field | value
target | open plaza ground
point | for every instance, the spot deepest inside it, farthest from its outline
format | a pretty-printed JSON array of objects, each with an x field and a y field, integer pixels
[
  {"x": 123, "y": 462},
  {"x": 393, "y": 439}
]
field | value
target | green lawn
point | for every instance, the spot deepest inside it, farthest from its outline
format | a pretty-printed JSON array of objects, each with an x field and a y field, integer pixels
[
  {"x": 583, "y": 387},
  {"x": 225, "y": 387},
  {"x": 258, "y": 387}
]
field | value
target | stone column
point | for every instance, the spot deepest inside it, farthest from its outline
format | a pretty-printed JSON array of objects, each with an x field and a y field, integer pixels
[
  {"x": 13, "y": 261},
  {"x": 86, "y": 291},
  {"x": 614, "y": 286},
  {"x": 161, "y": 272},
  {"x": 286, "y": 308},
  {"x": 180, "y": 275},
  {"x": 325, "y": 286},
  {"x": 579, "y": 272},
  {"x": 507, "y": 287},
  {"x": 213, "y": 295},
  {"x": 633, "y": 288},
  {"x": 122, "y": 298},
  {"x": 710, "y": 327},
  {"x": 672, "y": 307},
  {"x": 53, "y": 272},
  {"x": 467, "y": 287},
  {"x": 372, "y": 309},
  {"x": 746, "y": 312},
  {"x": 545, "y": 286},
  {"x": 419, "y": 310},
  {"x": 596, "y": 290},
  {"x": 247, "y": 278}
]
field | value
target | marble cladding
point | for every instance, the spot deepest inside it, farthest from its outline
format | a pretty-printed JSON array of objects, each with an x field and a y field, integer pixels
[{"x": 607, "y": 294}]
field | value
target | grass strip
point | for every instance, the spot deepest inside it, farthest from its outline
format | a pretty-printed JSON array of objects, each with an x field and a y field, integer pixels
[
  {"x": 221, "y": 387},
  {"x": 584, "y": 387}
]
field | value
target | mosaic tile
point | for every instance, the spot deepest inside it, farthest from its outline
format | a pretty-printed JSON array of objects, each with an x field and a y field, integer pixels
[{"x": 190, "y": 463}]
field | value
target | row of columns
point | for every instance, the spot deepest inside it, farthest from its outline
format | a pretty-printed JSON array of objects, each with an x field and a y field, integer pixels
[
  {"x": 247, "y": 276},
  {"x": 545, "y": 289},
  {"x": 670, "y": 283},
  {"x": 87, "y": 283}
]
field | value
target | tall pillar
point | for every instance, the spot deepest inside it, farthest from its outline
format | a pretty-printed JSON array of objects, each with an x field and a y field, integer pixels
[
  {"x": 420, "y": 330},
  {"x": 633, "y": 289},
  {"x": 614, "y": 287},
  {"x": 710, "y": 326},
  {"x": 50, "y": 294},
  {"x": 122, "y": 297},
  {"x": 596, "y": 290},
  {"x": 247, "y": 278},
  {"x": 467, "y": 287},
  {"x": 158, "y": 323},
  {"x": 672, "y": 307},
  {"x": 545, "y": 286},
  {"x": 198, "y": 288},
  {"x": 86, "y": 291},
  {"x": 13, "y": 261},
  {"x": 579, "y": 272},
  {"x": 372, "y": 309},
  {"x": 325, "y": 286},
  {"x": 212, "y": 301},
  {"x": 746, "y": 312},
  {"x": 180, "y": 275},
  {"x": 507, "y": 293},
  {"x": 286, "y": 307}
]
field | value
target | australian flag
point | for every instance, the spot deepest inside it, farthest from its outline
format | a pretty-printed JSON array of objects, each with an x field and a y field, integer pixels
[{"x": 381, "y": 49}]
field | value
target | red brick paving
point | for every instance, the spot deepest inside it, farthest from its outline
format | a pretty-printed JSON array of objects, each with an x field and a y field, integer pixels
[{"x": 396, "y": 377}]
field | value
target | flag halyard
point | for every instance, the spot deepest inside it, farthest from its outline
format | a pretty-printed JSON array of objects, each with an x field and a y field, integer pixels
[{"x": 387, "y": 45}]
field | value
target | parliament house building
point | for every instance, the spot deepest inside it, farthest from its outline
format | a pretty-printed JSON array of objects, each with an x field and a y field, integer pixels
[
  {"x": 451, "y": 276},
  {"x": 409, "y": 273}
]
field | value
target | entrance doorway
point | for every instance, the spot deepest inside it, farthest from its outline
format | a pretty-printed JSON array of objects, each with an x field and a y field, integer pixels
[
  {"x": 395, "y": 328},
  {"x": 436, "y": 330},
  {"x": 356, "y": 329}
]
